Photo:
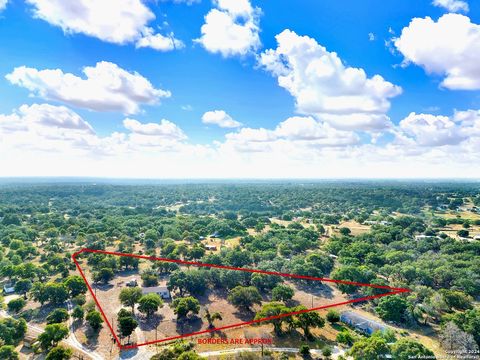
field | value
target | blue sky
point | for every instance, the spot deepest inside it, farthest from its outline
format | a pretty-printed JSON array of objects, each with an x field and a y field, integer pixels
[{"x": 310, "y": 128}]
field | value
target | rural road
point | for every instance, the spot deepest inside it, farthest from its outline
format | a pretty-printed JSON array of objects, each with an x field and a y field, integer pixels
[
  {"x": 336, "y": 352},
  {"x": 72, "y": 339},
  {"x": 72, "y": 342}
]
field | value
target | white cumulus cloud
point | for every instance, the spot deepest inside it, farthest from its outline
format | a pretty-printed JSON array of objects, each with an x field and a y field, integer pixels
[
  {"x": 220, "y": 118},
  {"x": 3, "y": 4},
  {"x": 452, "y": 5},
  {"x": 114, "y": 21},
  {"x": 231, "y": 28},
  {"x": 158, "y": 41},
  {"x": 449, "y": 47},
  {"x": 43, "y": 127},
  {"x": 106, "y": 87},
  {"x": 296, "y": 131},
  {"x": 324, "y": 87},
  {"x": 165, "y": 129},
  {"x": 432, "y": 130}
]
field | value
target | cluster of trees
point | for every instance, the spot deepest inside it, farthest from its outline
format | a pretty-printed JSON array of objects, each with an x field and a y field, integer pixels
[
  {"x": 148, "y": 304},
  {"x": 384, "y": 344},
  {"x": 37, "y": 224},
  {"x": 441, "y": 272}
]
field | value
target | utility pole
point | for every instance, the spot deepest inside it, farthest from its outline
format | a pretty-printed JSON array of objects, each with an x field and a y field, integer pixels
[{"x": 156, "y": 338}]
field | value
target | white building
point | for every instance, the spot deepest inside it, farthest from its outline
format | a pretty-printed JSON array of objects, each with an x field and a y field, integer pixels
[
  {"x": 8, "y": 289},
  {"x": 162, "y": 291},
  {"x": 424, "y": 237}
]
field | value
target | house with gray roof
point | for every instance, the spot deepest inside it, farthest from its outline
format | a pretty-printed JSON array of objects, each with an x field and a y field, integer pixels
[{"x": 361, "y": 323}]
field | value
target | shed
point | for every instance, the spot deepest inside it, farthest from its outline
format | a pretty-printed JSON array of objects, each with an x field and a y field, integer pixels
[{"x": 8, "y": 289}]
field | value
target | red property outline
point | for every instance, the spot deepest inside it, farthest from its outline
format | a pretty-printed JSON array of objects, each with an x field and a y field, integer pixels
[{"x": 392, "y": 291}]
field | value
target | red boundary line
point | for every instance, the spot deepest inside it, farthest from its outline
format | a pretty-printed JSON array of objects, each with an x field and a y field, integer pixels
[{"x": 392, "y": 291}]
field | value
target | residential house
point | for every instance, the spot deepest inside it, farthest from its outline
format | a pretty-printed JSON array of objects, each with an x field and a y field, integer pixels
[
  {"x": 162, "y": 291},
  {"x": 361, "y": 323}
]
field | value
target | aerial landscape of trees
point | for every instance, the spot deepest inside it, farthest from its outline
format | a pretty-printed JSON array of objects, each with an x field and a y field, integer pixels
[{"x": 298, "y": 228}]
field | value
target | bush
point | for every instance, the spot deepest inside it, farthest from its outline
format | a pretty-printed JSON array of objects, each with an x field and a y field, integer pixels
[
  {"x": 16, "y": 305},
  {"x": 304, "y": 350},
  {"x": 327, "y": 352},
  {"x": 59, "y": 353},
  {"x": 78, "y": 313},
  {"x": 333, "y": 316},
  {"x": 57, "y": 316},
  {"x": 8, "y": 352},
  {"x": 80, "y": 299}
]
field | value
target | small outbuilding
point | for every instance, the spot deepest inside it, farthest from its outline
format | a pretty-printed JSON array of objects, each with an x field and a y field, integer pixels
[
  {"x": 132, "y": 283},
  {"x": 8, "y": 289}
]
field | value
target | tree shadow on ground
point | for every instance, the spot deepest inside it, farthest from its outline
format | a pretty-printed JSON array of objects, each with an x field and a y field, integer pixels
[
  {"x": 244, "y": 314},
  {"x": 149, "y": 323},
  {"x": 189, "y": 325},
  {"x": 315, "y": 288},
  {"x": 218, "y": 333},
  {"x": 92, "y": 337}
]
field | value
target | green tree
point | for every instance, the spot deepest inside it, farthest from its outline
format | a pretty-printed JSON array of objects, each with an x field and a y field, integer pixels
[
  {"x": 149, "y": 304},
  {"x": 304, "y": 350},
  {"x": 59, "y": 353},
  {"x": 456, "y": 299},
  {"x": 130, "y": 297},
  {"x": 273, "y": 309},
  {"x": 245, "y": 297},
  {"x": 75, "y": 285},
  {"x": 265, "y": 282},
  {"x": 189, "y": 355},
  {"x": 333, "y": 316},
  {"x": 16, "y": 305},
  {"x": 360, "y": 274},
  {"x": 78, "y": 313},
  {"x": 23, "y": 286},
  {"x": 405, "y": 349},
  {"x": 12, "y": 331},
  {"x": 104, "y": 275},
  {"x": 57, "y": 316},
  {"x": 126, "y": 323},
  {"x": 282, "y": 293},
  {"x": 392, "y": 308},
  {"x": 183, "y": 307},
  {"x": 94, "y": 319},
  {"x": 149, "y": 279},
  {"x": 191, "y": 281},
  {"x": 372, "y": 348},
  {"x": 54, "y": 293},
  {"x": 211, "y": 318},
  {"x": 345, "y": 337},
  {"x": 307, "y": 320},
  {"x": 7, "y": 352},
  {"x": 52, "y": 335}
]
